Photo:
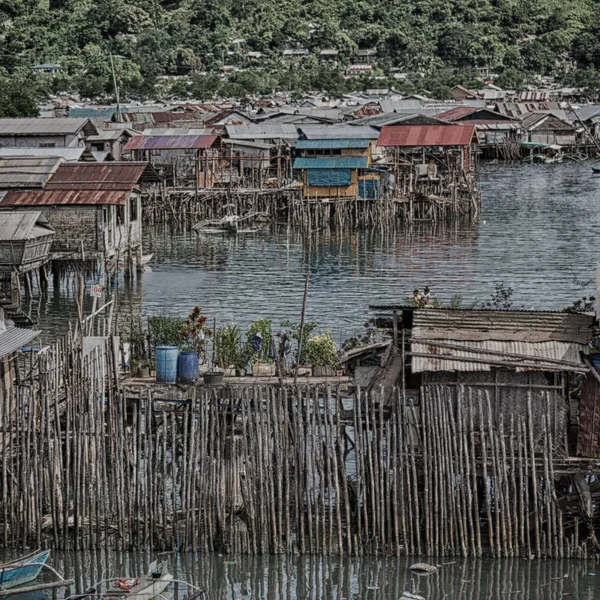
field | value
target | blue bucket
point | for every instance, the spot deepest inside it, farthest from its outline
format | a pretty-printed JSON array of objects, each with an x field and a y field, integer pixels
[
  {"x": 166, "y": 364},
  {"x": 188, "y": 367},
  {"x": 595, "y": 360}
]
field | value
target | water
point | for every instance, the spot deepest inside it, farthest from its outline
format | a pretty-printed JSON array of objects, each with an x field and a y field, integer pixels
[
  {"x": 538, "y": 233},
  {"x": 315, "y": 578}
]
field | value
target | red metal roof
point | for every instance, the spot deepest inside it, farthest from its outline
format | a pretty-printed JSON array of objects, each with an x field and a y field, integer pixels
[
  {"x": 457, "y": 113},
  {"x": 63, "y": 197},
  {"x": 426, "y": 135},
  {"x": 97, "y": 176},
  {"x": 165, "y": 142}
]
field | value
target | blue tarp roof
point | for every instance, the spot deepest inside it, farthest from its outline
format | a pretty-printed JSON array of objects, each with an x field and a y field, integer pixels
[
  {"x": 331, "y": 144},
  {"x": 344, "y": 162},
  {"x": 95, "y": 113}
]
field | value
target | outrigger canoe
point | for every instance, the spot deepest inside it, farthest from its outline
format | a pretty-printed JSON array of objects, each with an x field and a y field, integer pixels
[
  {"x": 150, "y": 586},
  {"x": 23, "y": 570}
]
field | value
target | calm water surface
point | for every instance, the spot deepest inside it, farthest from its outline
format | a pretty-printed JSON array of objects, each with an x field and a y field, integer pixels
[
  {"x": 538, "y": 232},
  {"x": 276, "y": 577}
]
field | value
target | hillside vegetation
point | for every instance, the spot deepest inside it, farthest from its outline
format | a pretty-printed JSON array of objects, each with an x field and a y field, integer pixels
[{"x": 443, "y": 40}]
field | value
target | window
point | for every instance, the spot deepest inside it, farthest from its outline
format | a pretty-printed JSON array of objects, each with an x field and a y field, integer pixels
[
  {"x": 133, "y": 209},
  {"x": 47, "y": 145},
  {"x": 121, "y": 214}
]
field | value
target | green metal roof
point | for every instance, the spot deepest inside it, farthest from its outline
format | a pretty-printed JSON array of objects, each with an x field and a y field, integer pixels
[
  {"x": 331, "y": 144},
  {"x": 344, "y": 162}
]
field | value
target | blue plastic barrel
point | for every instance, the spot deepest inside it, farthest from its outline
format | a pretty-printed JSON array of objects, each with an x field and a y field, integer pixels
[
  {"x": 166, "y": 364},
  {"x": 595, "y": 360},
  {"x": 188, "y": 367}
]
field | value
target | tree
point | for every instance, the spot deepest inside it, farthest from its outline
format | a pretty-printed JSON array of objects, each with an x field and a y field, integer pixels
[{"x": 20, "y": 95}]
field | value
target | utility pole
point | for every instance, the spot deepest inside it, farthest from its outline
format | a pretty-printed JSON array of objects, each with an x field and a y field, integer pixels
[{"x": 112, "y": 67}]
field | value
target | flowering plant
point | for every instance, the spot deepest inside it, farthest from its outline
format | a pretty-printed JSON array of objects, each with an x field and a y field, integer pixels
[{"x": 194, "y": 334}]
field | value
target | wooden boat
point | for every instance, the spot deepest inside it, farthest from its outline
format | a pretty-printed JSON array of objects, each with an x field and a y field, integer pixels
[
  {"x": 147, "y": 587},
  {"x": 233, "y": 223},
  {"x": 23, "y": 570}
]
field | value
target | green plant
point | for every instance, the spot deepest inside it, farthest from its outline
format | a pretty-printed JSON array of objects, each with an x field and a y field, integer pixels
[
  {"x": 138, "y": 341},
  {"x": 164, "y": 330},
  {"x": 260, "y": 339},
  {"x": 583, "y": 305},
  {"x": 194, "y": 334},
  {"x": 321, "y": 350},
  {"x": 228, "y": 347},
  {"x": 293, "y": 331}
]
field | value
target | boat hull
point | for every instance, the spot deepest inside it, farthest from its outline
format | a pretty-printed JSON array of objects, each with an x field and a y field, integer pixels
[
  {"x": 24, "y": 571},
  {"x": 156, "y": 588}
]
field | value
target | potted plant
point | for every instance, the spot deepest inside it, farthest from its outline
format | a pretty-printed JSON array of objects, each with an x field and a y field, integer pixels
[
  {"x": 259, "y": 344},
  {"x": 228, "y": 354},
  {"x": 322, "y": 353},
  {"x": 300, "y": 334},
  {"x": 134, "y": 367},
  {"x": 145, "y": 367},
  {"x": 193, "y": 335}
]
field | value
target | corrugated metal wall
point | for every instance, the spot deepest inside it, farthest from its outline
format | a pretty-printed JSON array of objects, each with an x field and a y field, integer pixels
[{"x": 588, "y": 442}]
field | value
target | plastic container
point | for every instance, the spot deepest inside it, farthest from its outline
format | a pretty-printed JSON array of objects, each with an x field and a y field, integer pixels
[
  {"x": 595, "y": 360},
  {"x": 166, "y": 364},
  {"x": 188, "y": 367}
]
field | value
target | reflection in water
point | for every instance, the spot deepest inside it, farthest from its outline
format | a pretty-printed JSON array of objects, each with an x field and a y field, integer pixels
[
  {"x": 537, "y": 233},
  {"x": 281, "y": 577}
]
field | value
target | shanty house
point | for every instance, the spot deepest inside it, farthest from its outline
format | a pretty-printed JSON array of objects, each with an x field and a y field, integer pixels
[
  {"x": 547, "y": 128},
  {"x": 109, "y": 143},
  {"x": 420, "y": 147},
  {"x": 25, "y": 241},
  {"x": 247, "y": 162},
  {"x": 515, "y": 360},
  {"x": 183, "y": 159},
  {"x": 12, "y": 339},
  {"x": 492, "y": 127},
  {"x": 94, "y": 208},
  {"x": 336, "y": 167},
  {"x": 44, "y": 133}
]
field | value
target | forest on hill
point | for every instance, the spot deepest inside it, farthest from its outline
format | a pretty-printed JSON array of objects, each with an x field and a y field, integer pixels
[{"x": 443, "y": 41}]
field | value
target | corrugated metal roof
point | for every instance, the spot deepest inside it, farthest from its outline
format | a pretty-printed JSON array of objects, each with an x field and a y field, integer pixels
[
  {"x": 426, "y": 135},
  {"x": 40, "y": 126},
  {"x": 248, "y": 144},
  {"x": 14, "y": 338},
  {"x": 339, "y": 132},
  {"x": 166, "y": 142},
  {"x": 344, "y": 162},
  {"x": 22, "y": 172},
  {"x": 263, "y": 131},
  {"x": 69, "y": 154},
  {"x": 336, "y": 144},
  {"x": 16, "y": 226},
  {"x": 493, "y": 336},
  {"x": 586, "y": 113},
  {"x": 459, "y": 112},
  {"x": 64, "y": 197},
  {"x": 89, "y": 112},
  {"x": 97, "y": 176}
]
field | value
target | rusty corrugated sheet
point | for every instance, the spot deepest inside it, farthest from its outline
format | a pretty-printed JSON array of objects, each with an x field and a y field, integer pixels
[
  {"x": 64, "y": 197},
  {"x": 97, "y": 176},
  {"x": 588, "y": 440},
  {"x": 414, "y": 136},
  {"x": 447, "y": 340},
  {"x": 170, "y": 142}
]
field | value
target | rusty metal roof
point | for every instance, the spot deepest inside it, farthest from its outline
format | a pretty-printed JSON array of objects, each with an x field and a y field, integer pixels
[
  {"x": 447, "y": 340},
  {"x": 64, "y": 197},
  {"x": 107, "y": 176},
  {"x": 168, "y": 142},
  {"x": 26, "y": 172},
  {"x": 16, "y": 226},
  {"x": 426, "y": 135}
]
